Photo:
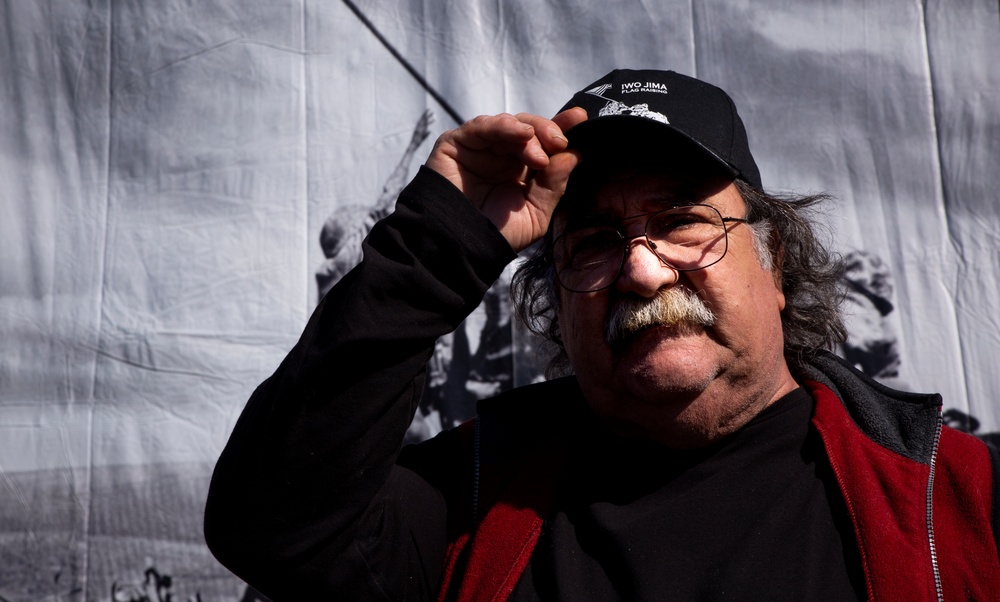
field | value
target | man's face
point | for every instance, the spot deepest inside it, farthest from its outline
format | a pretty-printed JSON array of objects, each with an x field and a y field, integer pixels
[{"x": 682, "y": 386}]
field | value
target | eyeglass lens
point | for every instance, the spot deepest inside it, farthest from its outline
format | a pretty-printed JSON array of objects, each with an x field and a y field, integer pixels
[{"x": 685, "y": 238}]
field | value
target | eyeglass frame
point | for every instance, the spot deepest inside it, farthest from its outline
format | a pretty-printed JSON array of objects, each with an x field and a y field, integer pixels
[{"x": 626, "y": 240}]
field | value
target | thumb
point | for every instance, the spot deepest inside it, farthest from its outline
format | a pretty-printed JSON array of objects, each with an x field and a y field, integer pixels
[{"x": 549, "y": 184}]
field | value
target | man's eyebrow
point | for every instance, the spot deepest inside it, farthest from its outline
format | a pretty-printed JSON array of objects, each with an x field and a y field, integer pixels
[
  {"x": 584, "y": 217},
  {"x": 576, "y": 219},
  {"x": 669, "y": 201}
]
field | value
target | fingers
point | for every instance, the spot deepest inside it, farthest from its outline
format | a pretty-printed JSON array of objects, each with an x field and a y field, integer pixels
[
  {"x": 543, "y": 136},
  {"x": 522, "y": 138},
  {"x": 549, "y": 184},
  {"x": 514, "y": 168},
  {"x": 527, "y": 138},
  {"x": 485, "y": 148},
  {"x": 547, "y": 133},
  {"x": 495, "y": 149},
  {"x": 569, "y": 118}
]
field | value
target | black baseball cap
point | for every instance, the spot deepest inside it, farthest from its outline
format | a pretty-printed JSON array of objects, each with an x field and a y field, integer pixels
[{"x": 662, "y": 114}]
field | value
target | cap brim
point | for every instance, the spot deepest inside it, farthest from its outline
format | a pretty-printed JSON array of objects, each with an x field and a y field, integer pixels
[{"x": 618, "y": 140}]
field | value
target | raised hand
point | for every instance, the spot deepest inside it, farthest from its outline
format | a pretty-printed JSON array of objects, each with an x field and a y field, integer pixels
[{"x": 514, "y": 168}]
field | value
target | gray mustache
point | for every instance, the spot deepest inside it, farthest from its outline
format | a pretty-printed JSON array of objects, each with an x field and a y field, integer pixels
[{"x": 675, "y": 307}]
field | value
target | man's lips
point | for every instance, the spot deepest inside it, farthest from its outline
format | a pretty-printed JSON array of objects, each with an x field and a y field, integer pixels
[{"x": 663, "y": 331}]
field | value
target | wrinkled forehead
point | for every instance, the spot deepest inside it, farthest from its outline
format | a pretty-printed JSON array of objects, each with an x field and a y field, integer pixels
[{"x": 624, "y": 188}]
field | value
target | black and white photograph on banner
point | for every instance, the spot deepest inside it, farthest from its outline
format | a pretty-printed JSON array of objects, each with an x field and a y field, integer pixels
[{"x": 193, "y": 193}]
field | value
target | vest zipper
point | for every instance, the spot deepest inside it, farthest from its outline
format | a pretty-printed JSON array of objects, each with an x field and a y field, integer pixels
[
  {"x": 930, "y": 511},
  {"x": 475, "y": 476}
]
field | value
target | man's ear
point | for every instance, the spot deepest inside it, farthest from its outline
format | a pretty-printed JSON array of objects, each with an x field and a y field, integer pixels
[{"x": 778, "y": 267}]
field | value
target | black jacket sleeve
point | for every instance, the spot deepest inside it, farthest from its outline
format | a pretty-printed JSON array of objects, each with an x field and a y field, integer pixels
[{"x": 307, "y": 501}]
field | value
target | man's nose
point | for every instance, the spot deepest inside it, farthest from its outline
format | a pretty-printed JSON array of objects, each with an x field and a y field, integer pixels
[{"x": 643, "y": 272}]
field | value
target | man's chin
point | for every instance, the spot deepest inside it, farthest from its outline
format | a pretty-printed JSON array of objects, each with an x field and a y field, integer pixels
[{"x": 666, "y": 359}]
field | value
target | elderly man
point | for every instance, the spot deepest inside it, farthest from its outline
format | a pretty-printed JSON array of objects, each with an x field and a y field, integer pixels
[{"x": 701, "y": 447}]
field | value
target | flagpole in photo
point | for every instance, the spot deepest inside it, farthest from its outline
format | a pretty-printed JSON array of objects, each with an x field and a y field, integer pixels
[{"x": 406, "y": 64}]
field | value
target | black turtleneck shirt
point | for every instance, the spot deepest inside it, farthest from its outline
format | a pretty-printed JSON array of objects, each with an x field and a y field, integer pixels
[{"x": 754, "y": 517}]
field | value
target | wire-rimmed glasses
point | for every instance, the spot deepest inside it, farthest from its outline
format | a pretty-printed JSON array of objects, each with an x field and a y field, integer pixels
[{"x": 686, "y": 238}]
